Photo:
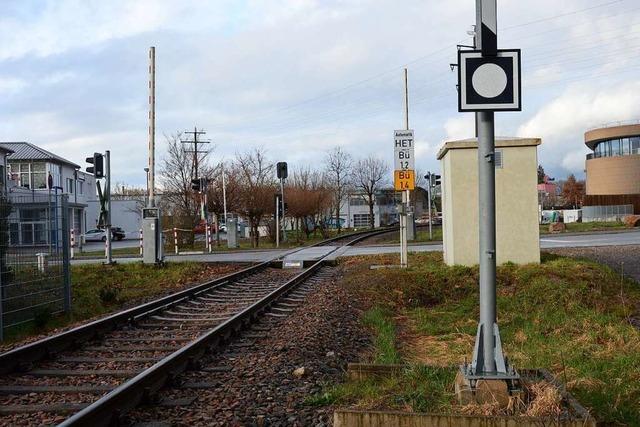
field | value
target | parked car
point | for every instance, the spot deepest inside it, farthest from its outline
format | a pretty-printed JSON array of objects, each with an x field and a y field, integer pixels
[
  {"x": 223, "y": 227},
  {"x": 95, "y": 235},
  {"x": 117, "y": 233},
  {"x": 200, "y": 227}
]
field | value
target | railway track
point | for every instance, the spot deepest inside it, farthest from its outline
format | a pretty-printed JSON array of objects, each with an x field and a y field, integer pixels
[{"x": 93, "y": 374}]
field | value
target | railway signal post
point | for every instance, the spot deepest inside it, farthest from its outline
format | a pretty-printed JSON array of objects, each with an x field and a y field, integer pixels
[
  {"x": 488, "y": 81},
  {"x": 404, "y": 173}
]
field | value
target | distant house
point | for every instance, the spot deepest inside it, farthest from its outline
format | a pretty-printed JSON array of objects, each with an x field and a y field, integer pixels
[
  {"x": 35, "y": 172},
  {"x": 355, "y": 208}
]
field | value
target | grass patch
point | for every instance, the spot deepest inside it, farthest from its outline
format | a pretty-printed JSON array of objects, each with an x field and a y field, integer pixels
[
  {"x": 578, "y": 227},
  {"x": 419, "y": 388},
  {"x": 99, "y": 289},
  {"x": 379, "y": 320},
  {"x": 572, "y": 317}
]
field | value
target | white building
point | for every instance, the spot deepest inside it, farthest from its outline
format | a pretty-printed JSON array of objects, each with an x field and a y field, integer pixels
[
  {"x": 33, "y": 170},
  {"x": 354, "y": 210}
]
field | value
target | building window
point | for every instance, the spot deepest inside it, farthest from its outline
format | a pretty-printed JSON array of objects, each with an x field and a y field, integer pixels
[
  {"x": 30, "y": 175},
  {"x": 357, "y": 201},
  {"x": 33, "y": 226},
  {"x": 361, "y": 220},
  {"x": 39, "y": 175},
  {"x": 24, "y": 175},
  {"x": 618, "y": 147},
  {"x": 56, "y": 173},
  {"x": 80, "y": 187},
  {"x": 70, "y": 185}
]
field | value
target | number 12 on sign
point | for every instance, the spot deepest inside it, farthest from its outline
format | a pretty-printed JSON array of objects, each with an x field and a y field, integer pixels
[{"x": 404, "y": 180}]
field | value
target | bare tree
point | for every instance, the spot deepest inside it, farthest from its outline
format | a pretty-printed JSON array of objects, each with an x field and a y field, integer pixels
[
  {"x": 338, "y": 170},
  {"x": 215, "y": 194},
  {"x": 256, "y": 190},
  {"x": 176, "y": 173},
  {"x": 309, "y": 200},
  {"x": 368, "y": 175}
]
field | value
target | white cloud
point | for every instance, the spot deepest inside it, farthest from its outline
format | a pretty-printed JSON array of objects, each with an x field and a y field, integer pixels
[
  {"x": 562, "y": 121},
  {"x": 298, "y": 76},
  {"x": 461, "y": 127},
  {"x": 11, "y": 85}
]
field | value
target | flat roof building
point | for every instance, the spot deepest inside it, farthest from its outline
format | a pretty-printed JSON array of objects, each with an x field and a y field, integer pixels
[
  {"x": 613, "y": 168},
  {"x": 517, "y": 229},
  {"x": 613, "y": 172}
]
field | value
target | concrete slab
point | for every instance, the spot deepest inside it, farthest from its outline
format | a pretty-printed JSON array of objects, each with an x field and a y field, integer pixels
[{"x": 307, "y": 255}]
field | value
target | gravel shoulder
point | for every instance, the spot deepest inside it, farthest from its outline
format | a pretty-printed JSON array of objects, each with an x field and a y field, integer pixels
[{"x": 623, "y": 259}]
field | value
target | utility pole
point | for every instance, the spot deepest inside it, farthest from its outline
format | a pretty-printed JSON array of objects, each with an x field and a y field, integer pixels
[{"x": 195, "y": 132}]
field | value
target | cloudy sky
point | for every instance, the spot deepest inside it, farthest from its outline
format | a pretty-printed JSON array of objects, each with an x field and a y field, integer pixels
[{"x": 299, "y": 77}]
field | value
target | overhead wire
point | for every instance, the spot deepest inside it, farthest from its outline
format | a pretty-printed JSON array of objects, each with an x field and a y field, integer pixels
[{"x": 368, "y": 102}]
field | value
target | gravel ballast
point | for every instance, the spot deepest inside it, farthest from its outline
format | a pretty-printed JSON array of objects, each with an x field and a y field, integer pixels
[
  {"x": 266, "y": 376},
  {"x": 623, "y": 259}
]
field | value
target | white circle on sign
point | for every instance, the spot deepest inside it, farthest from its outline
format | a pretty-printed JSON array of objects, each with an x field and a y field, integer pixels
[{"x": 489, "y": 80}]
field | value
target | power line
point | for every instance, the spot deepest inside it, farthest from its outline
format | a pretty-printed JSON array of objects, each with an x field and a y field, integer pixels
[
  {"x": 195, "y": 132},
  {"x": 562, "y": 15}
]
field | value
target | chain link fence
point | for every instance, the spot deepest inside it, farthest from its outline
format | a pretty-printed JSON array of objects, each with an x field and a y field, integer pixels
[
  {"x": 35, "y": 281},
  {"x": 606, "y": 213}
]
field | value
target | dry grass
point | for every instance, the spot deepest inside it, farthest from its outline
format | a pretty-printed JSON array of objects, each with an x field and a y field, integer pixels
[{"x": 545, "y": 400}]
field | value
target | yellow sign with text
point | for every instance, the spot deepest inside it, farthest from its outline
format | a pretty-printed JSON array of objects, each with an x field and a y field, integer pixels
[{"x": 404, "y": 180}]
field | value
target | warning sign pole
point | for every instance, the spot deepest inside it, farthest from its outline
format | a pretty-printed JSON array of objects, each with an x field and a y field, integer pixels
[
  {"x": 404, "y": 250},
  {"x": 488, "y": 360}
]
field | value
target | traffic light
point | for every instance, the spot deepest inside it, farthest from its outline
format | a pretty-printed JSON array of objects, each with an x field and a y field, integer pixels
[
  {"x": 435, "y": 180},
  {"x": 98, "y": 165},
  {"x": 281, "y": 169},
  {"x": 196, "y": 184}
]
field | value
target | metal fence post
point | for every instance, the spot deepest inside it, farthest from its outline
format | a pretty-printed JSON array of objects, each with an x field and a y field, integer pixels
[
  {"x": 175, "y": 239},
  {"x": 4, "y": 228},
  {"x": 66, "y": 271}
]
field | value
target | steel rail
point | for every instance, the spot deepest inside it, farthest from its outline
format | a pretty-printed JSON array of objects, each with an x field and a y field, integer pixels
[
  {"x": 21, "y": 357},
  {"x": 143, "y": 387}
]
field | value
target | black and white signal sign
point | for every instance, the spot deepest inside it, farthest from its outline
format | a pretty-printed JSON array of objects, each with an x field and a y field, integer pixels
[{"x": 489, "y": 83}]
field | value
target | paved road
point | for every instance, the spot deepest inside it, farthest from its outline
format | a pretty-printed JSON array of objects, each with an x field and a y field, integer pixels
[
  {"x": 99, "y": 246},
  {"x": 589, "y": 240},
  {"x": 546, "y": 242}
]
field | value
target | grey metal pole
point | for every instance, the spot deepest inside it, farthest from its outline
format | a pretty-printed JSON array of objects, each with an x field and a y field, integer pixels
[
  {"x": 152, "y": 125},
  {"x": 487, "y": 211},
  {"x": 107, "y": 190},
  {"x": 66, "y": 271},
  {"x": 284, "y": 225},
  {"x": 429, "y": 201},
  {"x": 404, "y": 218},
  {"x": 277, "y": 224}
]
